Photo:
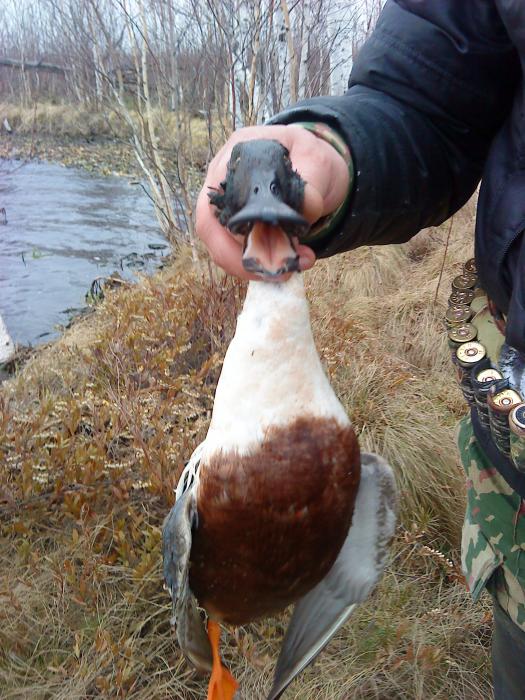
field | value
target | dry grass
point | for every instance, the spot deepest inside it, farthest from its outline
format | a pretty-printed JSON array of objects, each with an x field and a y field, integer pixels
[
  {"x": 59, "y": 120},
  {"x": 176, "y": 133},
  {"x": 94, "y": 434}
]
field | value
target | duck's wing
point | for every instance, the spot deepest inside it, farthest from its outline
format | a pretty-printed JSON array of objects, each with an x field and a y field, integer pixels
[
  {"x": 176, "y": 548},
  {"x": 358, "y": 568}
]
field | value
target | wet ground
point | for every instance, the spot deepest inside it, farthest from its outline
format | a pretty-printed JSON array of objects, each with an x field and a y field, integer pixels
[{"x": 62, "y": 229}]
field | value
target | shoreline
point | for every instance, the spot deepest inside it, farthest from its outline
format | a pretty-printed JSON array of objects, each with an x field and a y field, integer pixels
[{"x": 102, "y": 157}]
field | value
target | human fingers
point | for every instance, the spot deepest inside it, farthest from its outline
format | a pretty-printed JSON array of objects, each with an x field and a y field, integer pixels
[
  {"x": 225, "y": 250},
  {"x": 322, "y": 168}
]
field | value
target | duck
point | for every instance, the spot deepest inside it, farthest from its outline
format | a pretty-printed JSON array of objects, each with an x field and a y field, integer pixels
[{"x": 278, "y": 505}]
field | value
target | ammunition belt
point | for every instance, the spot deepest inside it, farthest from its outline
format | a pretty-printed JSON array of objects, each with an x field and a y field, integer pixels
[{"x": 487, "y": 377}]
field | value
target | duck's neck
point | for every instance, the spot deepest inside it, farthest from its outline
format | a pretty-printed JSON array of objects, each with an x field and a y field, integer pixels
[
  {"x": 275, "y": 314},
  {"x": 271, "y": 372}
]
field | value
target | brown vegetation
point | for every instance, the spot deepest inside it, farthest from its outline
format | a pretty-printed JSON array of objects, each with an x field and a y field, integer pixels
[{"x": 93, "y": 435}]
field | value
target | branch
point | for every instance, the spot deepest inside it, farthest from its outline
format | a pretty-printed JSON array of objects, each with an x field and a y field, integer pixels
[{"x": 33, "y": 65}]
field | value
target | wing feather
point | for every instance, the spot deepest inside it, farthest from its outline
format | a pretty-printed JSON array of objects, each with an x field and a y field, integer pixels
[
  {"x": 176, "y": 548},
  {"x": 357, "y": 570}
]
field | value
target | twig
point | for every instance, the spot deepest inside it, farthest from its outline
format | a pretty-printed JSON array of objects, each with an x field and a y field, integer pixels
[
  {"x": 33, "y": 130},
  {"x": 444, "y": 258}
]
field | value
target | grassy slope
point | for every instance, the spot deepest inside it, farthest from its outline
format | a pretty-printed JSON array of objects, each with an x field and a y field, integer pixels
[{"x": 93, "y": 435}]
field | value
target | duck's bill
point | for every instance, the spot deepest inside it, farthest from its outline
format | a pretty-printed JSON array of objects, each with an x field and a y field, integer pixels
[{"x": 269, "y": 252}]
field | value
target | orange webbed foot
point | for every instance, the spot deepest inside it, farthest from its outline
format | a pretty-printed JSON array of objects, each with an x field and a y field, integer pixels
[{"x": 222, "y": 685}]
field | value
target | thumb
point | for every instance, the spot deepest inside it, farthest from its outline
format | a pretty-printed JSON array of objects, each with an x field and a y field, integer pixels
[{"x": 313, "y": 205}]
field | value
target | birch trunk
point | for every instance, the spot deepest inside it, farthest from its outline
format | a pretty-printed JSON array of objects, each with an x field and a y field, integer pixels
[{"x": 292, "y": 56}]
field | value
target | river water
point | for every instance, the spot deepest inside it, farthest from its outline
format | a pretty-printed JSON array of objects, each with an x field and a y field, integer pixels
[{"x": 64, "y": 228}]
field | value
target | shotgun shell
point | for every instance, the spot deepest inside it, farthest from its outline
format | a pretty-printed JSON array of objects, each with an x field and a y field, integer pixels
[
  {"x": 461, "y": 334},
  {"x": 468, "y": 354},
  {"x": 500, "y": 404},
  {"x": 465, "y": 281},
  {"x": 517, "y": 436},
  {"x": 458, "y": 307},
  {"x": 460, "y": 296},
  {"x": 470, "y": 266},
  {"x": 487, "y": 376},
  {"x": 457, "y": 315},
  {"x": 483, "y": 377}
]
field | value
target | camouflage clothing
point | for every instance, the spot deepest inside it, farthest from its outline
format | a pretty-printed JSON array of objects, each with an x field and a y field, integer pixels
[{"x": 494, "y": 530}]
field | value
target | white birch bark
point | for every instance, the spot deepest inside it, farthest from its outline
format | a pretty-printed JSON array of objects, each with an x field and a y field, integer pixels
[
  {"x": 339, "y": 31},
  {"x": 303, "y": 49}
]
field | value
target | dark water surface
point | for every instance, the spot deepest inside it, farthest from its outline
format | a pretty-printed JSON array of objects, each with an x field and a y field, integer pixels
[{"x": 64, "y": 228}]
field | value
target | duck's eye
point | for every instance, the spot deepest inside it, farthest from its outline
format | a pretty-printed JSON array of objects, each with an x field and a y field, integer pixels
[{"x": 275, "y": 189}]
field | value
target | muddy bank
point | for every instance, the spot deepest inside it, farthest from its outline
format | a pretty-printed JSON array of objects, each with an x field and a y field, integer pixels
[{"x": 101, "y": 155}]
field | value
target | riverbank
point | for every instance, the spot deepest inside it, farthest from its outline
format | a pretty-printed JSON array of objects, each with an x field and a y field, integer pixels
[
  {"x": 68, "y": 233},
  {"x": 95, "y": 430},
  {"x": 103, "y": 155},
  {"x": 67, "y": 135},
  {"x": 98, "y": 142}
]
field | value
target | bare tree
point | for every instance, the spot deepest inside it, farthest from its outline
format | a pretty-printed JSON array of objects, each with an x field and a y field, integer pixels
[{"x": 164, "y": 65}]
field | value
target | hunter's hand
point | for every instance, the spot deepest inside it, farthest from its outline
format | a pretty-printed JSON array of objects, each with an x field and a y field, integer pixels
[{"x": 318, "y": 163}]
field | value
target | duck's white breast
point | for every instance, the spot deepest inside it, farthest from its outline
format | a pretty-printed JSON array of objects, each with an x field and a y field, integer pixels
[{"x": 272, "y": 373}]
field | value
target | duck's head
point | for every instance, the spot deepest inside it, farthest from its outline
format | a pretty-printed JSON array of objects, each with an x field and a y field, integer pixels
[{"x": 260, "y": 200}]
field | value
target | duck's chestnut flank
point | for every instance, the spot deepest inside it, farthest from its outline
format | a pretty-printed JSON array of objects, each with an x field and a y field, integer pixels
[{"x": 266, "y": 517}]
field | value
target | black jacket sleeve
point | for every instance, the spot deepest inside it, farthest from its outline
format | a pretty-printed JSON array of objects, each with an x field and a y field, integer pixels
[{"x": 427, "y": 94}]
